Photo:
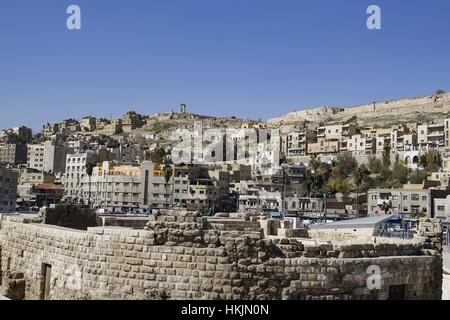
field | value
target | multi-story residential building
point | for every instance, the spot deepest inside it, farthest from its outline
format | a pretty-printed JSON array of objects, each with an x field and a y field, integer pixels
[
  {"x": 446, "y": 162},
  {"x": 260, "y": 200},
  {"x": 442, "y": 209},
  {"x": 54, "y": 157},
  {"x": 432, "y": 135},
  {"x": 100, "y": 123},
  {"x": 376, "y": 132},
  {"x": 447, "y": 134},
  {"x": 48, "y": 157},
  {"x": 442, "y": 177},
  {"x": 8, "y": 189},
  {"x": 287, "y": 179},
  {"x": 34, "y": 177},
  {"x": 76, "y": 171},
  {"x": 20, "y": 135},
  {"x": 157, "y": 185},
  {"x": 112, "y": 128},
  {"x": 324, "y": 147},
  {"x": 131, "y": 121},
  {"x": 194, "y": 187},
  {"x": 200, "y": 187},
  {"x": 35, "y": 156},
  {"x": 238, "y": 172},
  {"x": 113, "y": 185},
  {"x": 361, "y": 145},
  {"x": 251, "y": 197},
  {"x": 50, "y": 129},
  {"x": 336, "y": 132},
  {"x": 126, "y": 152},
  {"x": 26, "y": 195},
  {"x": 296, "y": 144},
  {"x": 88, "y": 124},
  {"x": 13, "y": 153},
  {"x": 411, "y": 199},
  {"x": 221, "y": 182},
  {"x": 69, "y": 126}
]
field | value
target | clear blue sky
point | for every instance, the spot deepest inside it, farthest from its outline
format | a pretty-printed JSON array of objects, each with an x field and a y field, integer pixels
[{"x": 248, "y": 58}]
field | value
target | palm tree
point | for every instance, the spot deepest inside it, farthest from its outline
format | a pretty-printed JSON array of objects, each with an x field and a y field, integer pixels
[
  {"x": 89, "y": 170},
  {"x": 313, "y": 165},
  {"x": 358, "y": 176},
  {"x": 168, "y": 172}
]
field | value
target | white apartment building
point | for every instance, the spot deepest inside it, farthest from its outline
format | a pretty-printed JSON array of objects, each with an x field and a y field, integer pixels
[
  {"x": 75, "y": 172},
  {"x": 336, "y": 132},
  {"x": 442, "y": 208},
  {"x": 46, "y": 157},
  {"x": 296, "y": 144},
  {"x": 432, "y": 135},
  {"x": 113, "y": 186},
  {"x": 361, "y": 145},
  {"x": 35, "y": 156}
]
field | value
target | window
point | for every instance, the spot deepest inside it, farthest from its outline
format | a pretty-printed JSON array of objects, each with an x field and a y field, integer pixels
[
  {"x": 441, "y": 208},
  {"x": 415, "y": 197}
]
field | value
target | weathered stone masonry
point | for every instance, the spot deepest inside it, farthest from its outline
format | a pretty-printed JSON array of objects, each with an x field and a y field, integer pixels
[{"x": 183, "y": 257}]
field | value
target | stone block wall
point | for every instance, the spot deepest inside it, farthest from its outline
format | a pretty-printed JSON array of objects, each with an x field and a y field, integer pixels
[{"x": 179, "y": 256}]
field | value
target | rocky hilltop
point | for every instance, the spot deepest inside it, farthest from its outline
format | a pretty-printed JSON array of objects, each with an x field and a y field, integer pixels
[{"x": 378, "y": 114}]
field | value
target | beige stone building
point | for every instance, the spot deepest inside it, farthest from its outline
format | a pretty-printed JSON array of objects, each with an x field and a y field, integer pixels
[
  {"x": 324, "y": 147},
  {"x": 409, "y": 200},
  {"x": 131, "y": 121},
  {"x": 34, "y": 177},
  {"x": 88, "y": 124}
]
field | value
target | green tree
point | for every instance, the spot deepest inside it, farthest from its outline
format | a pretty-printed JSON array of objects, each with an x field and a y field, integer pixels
[
  {"x": 358, "y": 176},
  {"x": 319, "y": 173},
  {"x": 338, "y": 185},
  {"x": 375, "y": 165},
  {"x": 417, "y": 176},
  {"x": 400, "y": 174},
  {"x": 158, "y": 155},
  {"x": 387, "y": 155},
  {"x": 168, "y": 172},
  {"x": 344, "y": 166},
  {"x": 430, "y": 161}
]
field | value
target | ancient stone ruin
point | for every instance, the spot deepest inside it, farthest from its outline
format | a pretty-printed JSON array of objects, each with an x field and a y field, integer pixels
[{"x": 181, "y": 255}]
